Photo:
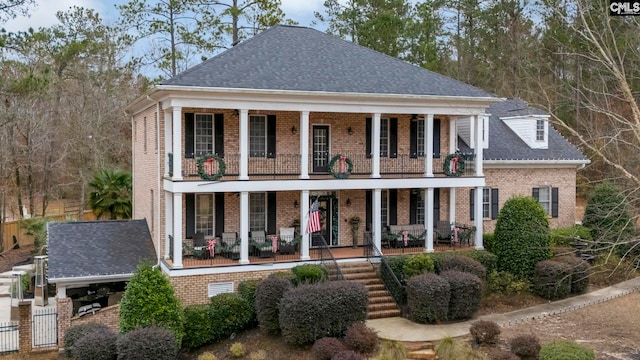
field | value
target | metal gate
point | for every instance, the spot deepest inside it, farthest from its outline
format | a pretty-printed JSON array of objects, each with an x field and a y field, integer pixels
[
  {"x": 9, "y": 340},
  {"x": 45, "y": 328}
]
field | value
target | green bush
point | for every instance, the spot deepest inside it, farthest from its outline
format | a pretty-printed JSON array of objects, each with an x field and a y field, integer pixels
[
  {"x": 465, "y": 294},
  {"x": 324, "y": 348},
  {"x": 311, "y": 312},
  {"x": 228, "y": 314},
  {"x": 428, "y": 298},
  {"x": 565, "y": 350},
  {"x": 502, "y": 282},
  {"x": 579, "y": 273},
  {"x": 552, "y": 280},
  {"x": 150, "y": 343},
  {"x": 268, "y": 295},
  {"x": 488, "y": 240},
  {"x": 247, "y": 291},
  {"x": 396, "y": 264},
  {"x": 361, "y": 338},
  {"x": 416, "y": 265},
  {"x": 526, "y": 347},
  {"x": 309, "y": 274},
  {"x": 197, "y": 326},
  {"x": 96, "y": 345},
  {"x": 608, "y": 217},
  {"x": 237, "y": 350},
  {"x": 484, "y": 332},
  {"x": 569, "y": 235},
  {"x": 521, "y": 236},
  {"x": 464, "y": 264},
  {"x": 141, "y": 307},
  {"x": 487, "y": 259},
  {"x": 74, "y": 333}
]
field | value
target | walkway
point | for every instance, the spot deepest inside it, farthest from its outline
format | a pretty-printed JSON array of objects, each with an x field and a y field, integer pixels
[{"x": 401, "y": 329}]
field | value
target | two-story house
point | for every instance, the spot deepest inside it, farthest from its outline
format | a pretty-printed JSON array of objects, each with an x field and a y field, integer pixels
[{"x": 231, "y": 154}]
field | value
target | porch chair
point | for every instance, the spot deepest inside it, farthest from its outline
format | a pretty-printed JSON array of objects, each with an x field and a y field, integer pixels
[
  {"x": 262, "y": 247},
  {"x": 287, "y": 240},
  {"x": 230, "y": 245},
  {"x": 444, "y": 233},
  {"x": 395, "y": 236}
]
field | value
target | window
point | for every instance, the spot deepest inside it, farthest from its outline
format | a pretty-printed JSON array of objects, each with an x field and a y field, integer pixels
[
  {"x": 204, "y": 213},
  {"x": 490, "y": 203},
  {"x": 257, "y": 136},
  {"x": 420, "y": 137},
  {"x": 544, "y": 198},
  {"x": 540, "y": 130},
  {"x": 384, "y": 214},
  {"x": 257, "y": 212},
  {"x": 420, "y": 213},
  {"x": 384, "y": 137},
  {"x": 486, "y": 203},
  {"x": 203, "y": 134}
]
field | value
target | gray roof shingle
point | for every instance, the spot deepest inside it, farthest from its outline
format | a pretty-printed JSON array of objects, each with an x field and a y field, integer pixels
[
  {"x": 97, "y": 248},
  {"x": 304, "y": 59}
]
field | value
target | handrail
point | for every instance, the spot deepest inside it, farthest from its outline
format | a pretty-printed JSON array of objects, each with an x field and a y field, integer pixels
[
  {"x": 323, "y": 246},
  {"x": 388, "y": 277}
]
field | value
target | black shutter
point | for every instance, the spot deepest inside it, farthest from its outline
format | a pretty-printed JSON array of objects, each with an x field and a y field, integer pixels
[
  {"x": 368, "y": 209},
  {"x": 413, "y": 206},
  {"x": 413, "y": 139},
  {"x": 536, "y": 193},
  {"x": 188, "y": 135},
  {"x": 436, "y": 138},
  {"x": 219, "y": 214},
  {"x": 218, "y": 131},
  {"x": 554, "y": 202},
  {"x": 472, "y": 200},
  {"x": 393, "y": 137},
  {"x": 494, "y": 203},
  {"x": 271, "y": 212},
  {"x": 436, "y": 206},
  {"x": 368, "y": 137},
  {"x": 190, "y": 207},
  {"x": 393, "y": 207},
  {"x": 271, "y": 136}
]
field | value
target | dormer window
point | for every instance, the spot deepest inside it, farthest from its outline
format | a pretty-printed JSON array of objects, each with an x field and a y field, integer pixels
[{"x": 540, "y": 130}]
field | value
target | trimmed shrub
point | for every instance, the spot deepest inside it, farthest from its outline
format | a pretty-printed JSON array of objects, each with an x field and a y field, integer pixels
[
  {"x": 228, "y": 313},
  {"x": 464, "y": 264},
  {"x": 552, "y": 280},
  {"x": 310, "y": 312},
  {"x": 74, "y": 333},
  {"x": 487, "y": 259},
  {"x": 207, "y": 356},
  {"x": 396, "y": 263},
  {"x": 347, "y": 355},
  {"x": 465, "y": 294},
  {"x": 141, "y": 307},
  {"x": 237, "y": 350},
  {"x": 527, "y": 347},
  {"x": 309, "y": 274},
  {"x": 417, "y": 264},
  {"x": 488, "y": 240},
  {"x": 564, "y": 349},
  {"x": 197, "y": 326},
  {"x": 247, "y": 291},
  {"x": 326, "y": 347},
  {"x": 150, "y": 343},
  {"x": 268, "y": 296},
  {"x": 361, "y": 338},
  {"x": 428, "y": 298},
  {"x": 502, "y": 282},
  {"x": 96, "y": 345},
  {"x": 579, "y": 273},
  {"x": 484, "y": 332},
  {"x": 521, "y": 236},
  {"x": 567, "y": 236}
]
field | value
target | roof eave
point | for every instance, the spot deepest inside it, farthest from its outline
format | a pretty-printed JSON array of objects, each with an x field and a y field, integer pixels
[
  {"x": 507, "y": 163},
  {"x": 91, "y": 278}
]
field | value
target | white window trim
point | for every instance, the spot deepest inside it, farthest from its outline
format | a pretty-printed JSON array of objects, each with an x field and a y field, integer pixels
[
  {"x": 549, "y": 199},
  {"x": 264, "y": 118},
  {"x": 488, "y": 189},
  {"x": 266, "y": 209},
  {"x": 211, "y": 215},
  {"x": 545, "y": 131},
  {"x": 195, "y": 133},
  {"x": 388, "y": 122}
]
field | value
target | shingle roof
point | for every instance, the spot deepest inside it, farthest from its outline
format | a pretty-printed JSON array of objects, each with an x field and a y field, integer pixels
[
  {"x": 504, "y": 144},
  {"x": 97, "y": 248},
  {"x": 304, "y": 59}
]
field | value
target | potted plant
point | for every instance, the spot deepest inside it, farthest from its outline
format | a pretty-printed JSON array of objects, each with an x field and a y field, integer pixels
[{"x": 354, "y": 221}]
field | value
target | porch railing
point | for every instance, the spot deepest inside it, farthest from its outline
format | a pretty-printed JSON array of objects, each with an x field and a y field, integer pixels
[
  {"x": 327, "y": 259},
  {"x": 391, "y": 282}
]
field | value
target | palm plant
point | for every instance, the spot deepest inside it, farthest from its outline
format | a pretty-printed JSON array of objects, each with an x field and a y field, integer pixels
[{"x": 111, "y": 194}]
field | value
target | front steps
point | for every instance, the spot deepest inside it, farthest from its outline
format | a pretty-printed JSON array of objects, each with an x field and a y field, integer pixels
[{"x": 381, "y": 304}]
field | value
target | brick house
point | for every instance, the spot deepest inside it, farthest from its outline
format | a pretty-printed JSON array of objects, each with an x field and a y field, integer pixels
[{"x": 231, "y": 154}]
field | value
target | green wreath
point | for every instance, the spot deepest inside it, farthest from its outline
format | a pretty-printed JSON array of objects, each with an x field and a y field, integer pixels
[
  {"x": 460, "y": 165},
  {"x": 338, "y": 175},
  {"x": 202, "y": 172}
]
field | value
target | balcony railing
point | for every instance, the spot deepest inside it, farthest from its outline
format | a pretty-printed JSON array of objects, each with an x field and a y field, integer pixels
[{"x": 282, "y": 166}]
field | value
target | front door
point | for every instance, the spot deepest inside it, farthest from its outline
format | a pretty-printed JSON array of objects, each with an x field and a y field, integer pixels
[
  {"x": 320, "y": 148},
  {"x": 325, "y": 204}
]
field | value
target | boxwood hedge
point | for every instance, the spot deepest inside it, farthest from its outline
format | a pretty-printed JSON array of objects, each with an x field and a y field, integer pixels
[
  {"x": 466, "y": 293},
  {"x": 428, "y": 298}
]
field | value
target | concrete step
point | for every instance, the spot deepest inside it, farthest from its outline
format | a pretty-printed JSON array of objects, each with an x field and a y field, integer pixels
[
  {"x": 427, "y": 354},
  {"x": 29, "y": 268},
  {"x": 384, "y": 314},
  {"x": 381, "y": 299},
  {"x": 382, "y": 306},
  {"x": 5, "y": 291}
]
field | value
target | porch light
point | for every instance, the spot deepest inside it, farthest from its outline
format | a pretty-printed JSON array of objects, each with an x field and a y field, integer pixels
[
  {"x": 350, "y": 131},
  {"x": 294, "y": 130},
  {"x": 348, "y": 202},
  {"x": 295, "y": 204}
]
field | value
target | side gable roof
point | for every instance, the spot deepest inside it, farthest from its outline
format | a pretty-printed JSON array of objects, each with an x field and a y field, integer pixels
[
  {"x": 303, "y": 59},
  {"x": 97, "y": 248}
]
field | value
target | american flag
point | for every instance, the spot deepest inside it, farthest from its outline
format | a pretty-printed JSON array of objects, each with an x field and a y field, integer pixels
[{"x": 314, "y": 218}]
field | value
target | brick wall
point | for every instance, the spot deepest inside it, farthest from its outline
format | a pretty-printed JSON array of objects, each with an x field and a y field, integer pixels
[{"x": 109, "y": 316}]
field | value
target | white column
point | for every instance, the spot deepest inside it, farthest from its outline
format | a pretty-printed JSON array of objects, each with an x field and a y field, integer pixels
[
  {"x": 375, "y": 146},
  {"x": 428, "y": 146},
  {"x": 453, "y": 135},
  {"x": 176, "y": 119},
  {"x": 304, "y": 216},
  {"x": 61, "y": 292},
  {"x": 244, "y": 227},
  {"x": 244, "y": 145},
  {"x": 477, "y": 216},
  {"x": 168, "y": 145},
  {"x": 177, "y": 230},
  {"x": 304, "y": 145},
  {"x": 428, "y": 221},
  {"x": 377, "y": 220},
  {"x": 168, "y": 221},
  {"x": 452, "y": 204},
  {"x": 477, "y": 123}
]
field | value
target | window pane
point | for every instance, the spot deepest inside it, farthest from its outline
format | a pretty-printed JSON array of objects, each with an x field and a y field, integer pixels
[
  {"x": 257, "y": 212},
  {"x": 540, "y": 130},
  {"x": 420, "y": 133},
  {"x": 420, "y": 215},
  {"x": 544, "y": 198},
  {"x": 384, "y": 137},
  {"x": 486, "y": 203},
  {"x": 257, "y": 136},
  {"x": 384, "y": 214},
  {"x": 204, "y": 213},
  {"x": 204, "y": 134}
]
